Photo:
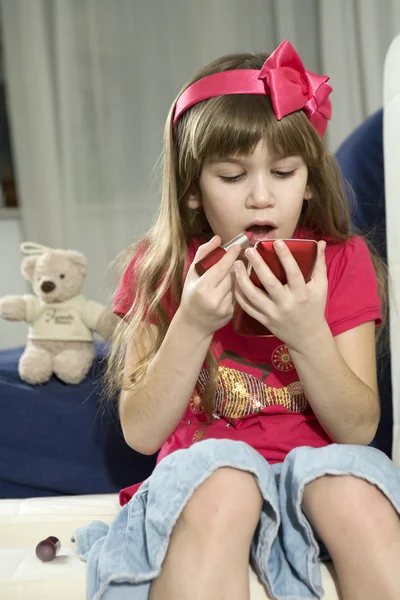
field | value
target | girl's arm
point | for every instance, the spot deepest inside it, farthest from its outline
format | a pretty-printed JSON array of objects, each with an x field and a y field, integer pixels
[
  {"x": 339, "y": 379},
  {"x": 150, "y": 413},
  {"x": 338, "y": 374}
]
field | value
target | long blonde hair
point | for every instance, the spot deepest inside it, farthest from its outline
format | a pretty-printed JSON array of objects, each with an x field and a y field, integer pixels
[{"x": 219, "y": 127}]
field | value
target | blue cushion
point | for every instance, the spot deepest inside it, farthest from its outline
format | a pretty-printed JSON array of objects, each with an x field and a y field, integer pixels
[
  {"x": 361, "y": 160},
  {"x": 55, "y": 439}
]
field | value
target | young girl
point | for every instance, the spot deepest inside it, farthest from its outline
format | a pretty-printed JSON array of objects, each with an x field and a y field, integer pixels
[{"x": 264, "y": 440}]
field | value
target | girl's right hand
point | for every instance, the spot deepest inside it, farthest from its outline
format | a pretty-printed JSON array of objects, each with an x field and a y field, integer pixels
[{"x": 208, "y": 301}]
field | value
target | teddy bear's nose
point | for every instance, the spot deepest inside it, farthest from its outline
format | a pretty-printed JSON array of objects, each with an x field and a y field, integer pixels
[{"x": 47, "y": 286}]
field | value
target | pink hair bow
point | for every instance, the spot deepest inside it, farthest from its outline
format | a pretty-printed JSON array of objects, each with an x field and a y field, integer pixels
[{"x": 293, "y": 88}]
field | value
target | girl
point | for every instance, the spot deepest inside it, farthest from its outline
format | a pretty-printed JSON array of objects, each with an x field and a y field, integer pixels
[{"x": 264, "y": 440}]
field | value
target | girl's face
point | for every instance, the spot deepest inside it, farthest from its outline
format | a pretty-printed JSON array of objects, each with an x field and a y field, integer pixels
[{"x": 241, "y": 192}]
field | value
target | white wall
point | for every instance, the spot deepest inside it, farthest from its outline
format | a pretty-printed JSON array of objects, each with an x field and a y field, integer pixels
[{"x": 11, "y": 281}]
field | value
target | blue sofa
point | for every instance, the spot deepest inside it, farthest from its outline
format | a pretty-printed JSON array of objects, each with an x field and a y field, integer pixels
[{"x": 55, "y": 439}]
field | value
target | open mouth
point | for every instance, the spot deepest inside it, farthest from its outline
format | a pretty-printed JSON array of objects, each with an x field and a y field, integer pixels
[{"x": 262, "y": 232}]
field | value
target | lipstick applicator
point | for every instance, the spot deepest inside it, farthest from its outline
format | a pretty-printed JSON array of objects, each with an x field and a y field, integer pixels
[{"x": 242, "y": 240}]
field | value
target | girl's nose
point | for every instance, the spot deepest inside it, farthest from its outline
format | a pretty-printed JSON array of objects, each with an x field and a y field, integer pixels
[{"x": 260, "y": 194}]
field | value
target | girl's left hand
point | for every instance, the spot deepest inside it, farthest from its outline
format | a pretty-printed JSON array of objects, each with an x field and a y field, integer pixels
[{"x": 294, "y": 312}]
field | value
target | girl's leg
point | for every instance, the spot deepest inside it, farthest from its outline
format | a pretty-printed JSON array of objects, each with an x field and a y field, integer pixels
[
  {"x": 209, "y": 551},
  {"x": 361, "y": 531}
]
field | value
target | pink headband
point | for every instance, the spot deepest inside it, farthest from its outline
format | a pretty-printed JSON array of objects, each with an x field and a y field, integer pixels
[{"x": 283, "y": 77}]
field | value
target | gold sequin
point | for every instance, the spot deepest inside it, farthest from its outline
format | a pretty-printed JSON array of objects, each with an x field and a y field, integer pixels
[
  {"x": 198, "y": 435},
  {"x": 239, "y": 394}
]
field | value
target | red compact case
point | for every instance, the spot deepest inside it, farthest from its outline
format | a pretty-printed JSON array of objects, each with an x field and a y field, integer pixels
[{"x": 305, "y": 254}]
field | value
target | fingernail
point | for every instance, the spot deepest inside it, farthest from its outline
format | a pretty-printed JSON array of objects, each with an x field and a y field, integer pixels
[
  {"x": 236, "y": 267},
  {"x": 250, "y": 252},
  {"x": 279, "y": 244}
]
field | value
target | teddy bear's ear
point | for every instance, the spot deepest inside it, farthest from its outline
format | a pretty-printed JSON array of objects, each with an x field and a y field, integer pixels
[
  {"x": 78, "y": 260},
  {"x": 28, "y": 267}
]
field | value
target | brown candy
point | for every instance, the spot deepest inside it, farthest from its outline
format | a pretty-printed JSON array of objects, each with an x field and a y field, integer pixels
[{"x": 47, "y": 549}]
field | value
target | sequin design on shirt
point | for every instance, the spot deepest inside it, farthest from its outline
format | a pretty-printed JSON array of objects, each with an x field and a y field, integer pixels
[{"x": 239, "y": 394}]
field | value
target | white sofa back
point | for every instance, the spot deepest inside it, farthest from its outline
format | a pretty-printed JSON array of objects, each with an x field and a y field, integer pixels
[{"x": 391, "y": 140}]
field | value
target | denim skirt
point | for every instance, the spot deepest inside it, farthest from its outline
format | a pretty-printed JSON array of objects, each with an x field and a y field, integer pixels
[{"x": 123, "y": 558}]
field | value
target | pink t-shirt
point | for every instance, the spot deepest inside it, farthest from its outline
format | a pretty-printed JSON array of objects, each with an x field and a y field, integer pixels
[{"x": 259, "y": 398}]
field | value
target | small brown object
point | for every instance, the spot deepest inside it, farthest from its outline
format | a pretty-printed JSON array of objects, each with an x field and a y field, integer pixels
[{"x": 47, "y": 549}]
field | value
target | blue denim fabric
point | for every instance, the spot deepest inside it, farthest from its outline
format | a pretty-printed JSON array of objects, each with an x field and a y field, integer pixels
[{"x": 124, "y": 558}]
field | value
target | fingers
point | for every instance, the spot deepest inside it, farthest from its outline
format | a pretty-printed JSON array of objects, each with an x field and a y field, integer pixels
[
  {"x": 247, "y": 292},
  {"x": 320, "y": 263},
  {"x": 293, "y": 272},
  {"x": 294, "y": 276},
  {"x": 249, "y": 308},
  {"x": 271, "y": 284},
  {"x": 217, "y": 273},
  {"x": 277, "y": 304},
  {"x": 208, "y": 247}
]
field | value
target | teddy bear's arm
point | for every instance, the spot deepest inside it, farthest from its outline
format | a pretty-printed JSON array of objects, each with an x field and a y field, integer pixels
[
  {"x": 13, "y": 308},
  {"x": 107, "y": 324}
]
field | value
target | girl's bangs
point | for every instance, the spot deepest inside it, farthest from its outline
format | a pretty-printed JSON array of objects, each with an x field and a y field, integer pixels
[{"x": 233, "y": 125}]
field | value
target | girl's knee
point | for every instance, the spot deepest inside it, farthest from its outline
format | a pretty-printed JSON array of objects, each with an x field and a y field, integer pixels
[
  {"x": 347, "y": 497},
  {"x": 228, "y": 500}
]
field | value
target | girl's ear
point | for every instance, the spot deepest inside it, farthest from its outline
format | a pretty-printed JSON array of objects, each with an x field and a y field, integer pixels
[
  {"x": 193, "y": 200},
  {"x": 308, "y": 193}
]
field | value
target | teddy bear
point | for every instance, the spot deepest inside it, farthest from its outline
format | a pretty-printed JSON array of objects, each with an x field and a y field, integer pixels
[{"x": 61, "y": 321}]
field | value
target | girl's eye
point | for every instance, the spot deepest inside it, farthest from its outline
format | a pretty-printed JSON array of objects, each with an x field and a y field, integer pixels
[
  {"x": 283, "y": 174},
  {"x": 232, "y": 179}
]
